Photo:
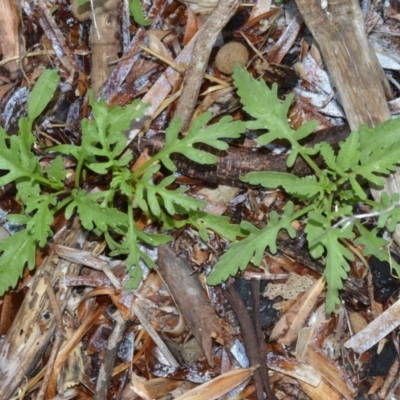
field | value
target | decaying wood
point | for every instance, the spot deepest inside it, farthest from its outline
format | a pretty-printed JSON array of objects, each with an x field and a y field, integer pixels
[
  {"x": 9, "y": 34},
  {"x": 294, "y": 368},
  {"x": 338, "y": 27},
  {"x": 128, "y": 305},
  {"x": 205, "y": 41},
  {"x": 104, "y": 42},
  {"x": 323, "y": 391},
  {"x": 131, "y": 57},
  {"x": 353, "y": 66},
  {"x": 34, "y": 325},
  {"x": 189, "y": 297}
]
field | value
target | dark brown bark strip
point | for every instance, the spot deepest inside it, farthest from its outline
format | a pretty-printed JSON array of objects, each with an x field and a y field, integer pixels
[
  {"x": 249, "y": 336},
  {"x": 255, "y": 298},
  {"x": 206, "y": 38}
]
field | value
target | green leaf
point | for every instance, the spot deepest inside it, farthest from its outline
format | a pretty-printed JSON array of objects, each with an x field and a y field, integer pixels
[
  {"x": 371, "y": 241},
  {"x": 91, "y": 214},
  {"x": 337, "y": 266},
  {"x": 17, "y": 251},
  {"x": 15, "y": 159},
  {"x": 150, "y": 196},
  {"x": 252, "y": 248},
  {"x": 389, "y": 211},
  {"x": 306, "y": 188},
  {"x": 349, "y": 153},
  {"x": 199, "y": 133},
  {"x": 327, "y": 154},
  {"x": 325, "y": 241},
  {"x": 262, "y": 104},
  {"x": 130, "y": 247},
  {"x": 270, "y": 179},
  {"x": 221, "y": 225},
  {"x": 42, "y": 93},
  {"x": 56, "y": 171},
  {"x": 379, "y": 151},
  {"x": 135, "y": 7},
  {"x": 39, "y": 224}
]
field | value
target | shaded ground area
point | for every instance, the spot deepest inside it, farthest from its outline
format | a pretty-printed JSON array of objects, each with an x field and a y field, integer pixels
[{"x": 72, "y": 328}]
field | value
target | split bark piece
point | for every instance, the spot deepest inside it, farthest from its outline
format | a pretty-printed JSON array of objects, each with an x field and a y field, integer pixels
[
  {"x": 205, "y": 40},
  {"x": 323, "y": 391},
  {"x": 189, "y": 297},
  {"x": 338, "y": 27},
  {"x": 376, "y": 330},
  {"x": 339, "y": 30},
  {"x": 160, "y": 90},
  {"x": 35, "y": 323},
  {"x": 105, "y": 44}
]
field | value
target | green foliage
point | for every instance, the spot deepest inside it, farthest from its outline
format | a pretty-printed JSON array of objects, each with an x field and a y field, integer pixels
[
  {"x": 251, "y": 249},
  {"x": 43, "y": 193},
  {"x": 325, "y": 199}
]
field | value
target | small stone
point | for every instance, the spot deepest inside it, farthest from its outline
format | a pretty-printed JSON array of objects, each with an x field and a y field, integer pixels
[{"x": 229, "y": 54}]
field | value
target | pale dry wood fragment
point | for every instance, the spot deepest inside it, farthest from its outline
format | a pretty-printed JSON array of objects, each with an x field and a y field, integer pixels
[
  {"x": 69, "y": 346},
  {"x": 218, "y": 386},
  {"x": 287, "y": 328},
  {"x": 204, "y": 42},
  {"x": 323, "y": 391},
  {"x": 53, "y": 33},
  {"x": 330, "y": 371},
  {"x": 391, "y": 382},
  {"x": 10, "y": 34},
  {"x": 339, "y": 30},
  {"x": 285, "y": 41},
  {"x": 110, "y": 356},
  {"x": 376, "y": 330},
  {"x": 294, "y": 368},
  {"x": 104, "y": 42},
  {"x": 156, "y": 95}
]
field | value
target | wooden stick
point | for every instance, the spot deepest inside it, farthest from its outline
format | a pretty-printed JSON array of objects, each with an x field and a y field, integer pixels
[{"x": 206, "y": 38}]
